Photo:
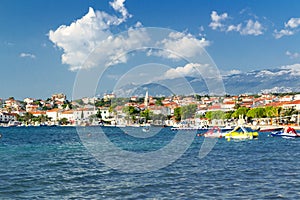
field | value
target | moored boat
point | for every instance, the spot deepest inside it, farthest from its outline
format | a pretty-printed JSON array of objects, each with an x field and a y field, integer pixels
[
  {"x": 270, "y": 129},
  {"x": 215, "y": 132},
  {"x": 287, "y": 132}
]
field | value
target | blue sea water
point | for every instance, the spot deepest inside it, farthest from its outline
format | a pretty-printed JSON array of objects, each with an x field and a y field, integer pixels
[{"x": 53, "y": 163}]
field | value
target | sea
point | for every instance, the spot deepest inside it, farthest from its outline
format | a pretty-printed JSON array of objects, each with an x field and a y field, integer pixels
[{"x": 63, "y": 163}]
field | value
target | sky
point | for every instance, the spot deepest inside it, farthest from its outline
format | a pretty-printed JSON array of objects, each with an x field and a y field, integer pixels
[{"x": 44, "y": 44}]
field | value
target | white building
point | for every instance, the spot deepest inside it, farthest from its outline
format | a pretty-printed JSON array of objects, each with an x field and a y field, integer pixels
[
  {"x": 28, "y": 100},
  {"x": 68, "y": 114},
  {"x": 59, "y": 97},
  {"x": 227, "y": 106},
  {"x": 292, "y": 104},
  {"x": 160, "y": 110},
  {"x": 83, "y": 114},
  {"x": 53, "y": 114},
  {"x": 286, "y": 98},
  {"x": 107, "y": 97}
]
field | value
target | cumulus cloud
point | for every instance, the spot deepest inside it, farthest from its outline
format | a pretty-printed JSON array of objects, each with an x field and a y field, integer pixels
[
  {"x": 292, "y": 55},
  {"x": 216, "y": 20},
  {"x": 231, "y": 72},
  {"x": 248, "y": 27},
  {"x": 252, "y": 28},
  {"x": 187, "y": 70},
  {"x": 293, "y": 23},
  {"x": 27, "y": 55},
  {"x": 290, "y": 28},
  {"x": 178, "y": 45},
  {"x": 279, "y": 34},
  {"x": 92, "y": 35},
  {"x": 118, "y": 5},
  {"x": 93, "y": 30},
  {"x": 234, "y": 28},
  {"x": 190, "y": 69}
]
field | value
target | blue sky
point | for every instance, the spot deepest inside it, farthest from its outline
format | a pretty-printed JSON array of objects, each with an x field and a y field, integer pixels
[{"x": 239, "y": 35}]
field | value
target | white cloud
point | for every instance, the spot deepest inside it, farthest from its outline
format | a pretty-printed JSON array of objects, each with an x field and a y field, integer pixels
[
  {"x": 249, "y": 27},
  {"x": 216, "y": 20},
  {"x": 292, "y": 55},
  {"x": 118, "y": 5},
  {"x": 81, "y": 37},
  {"x": 91, "y": 37},
  {"x": 231, "y": 72},
  {"x": 293, "y": 23},
  {"x": 278, "y": 34},
  {"x": 190, "y": 69},
  {"x": 9, "y": 44},
  {"x": 290, "y": 28},
  {"x": 184, "y": 44},
  {"x": 252, "y": 28},
  {"x": 234, "y": 28},
  {"x": 27, "y": 55}
]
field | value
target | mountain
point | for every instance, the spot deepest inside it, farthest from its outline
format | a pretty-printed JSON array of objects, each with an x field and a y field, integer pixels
[
  {"x": 278, "y": 80},
  {"x": 272, "y": 80}
]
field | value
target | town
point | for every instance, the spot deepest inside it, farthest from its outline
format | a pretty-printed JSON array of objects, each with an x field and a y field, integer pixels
[{"x": 190, "y": 111}]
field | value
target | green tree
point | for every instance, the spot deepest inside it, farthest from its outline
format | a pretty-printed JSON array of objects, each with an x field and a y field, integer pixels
[
  {"x": 146, "y": 114},
  {"x": 177, "y": 114},
  {"x": 42, "y": 118},
  {"x": 63, "y": 121},
  {"x": 228, "y": 115},
  {"x": 256, "y": 113},
  {"x": 197, "y": 97},
  {"x": 208, "y": 115},
  {"x": 27, "y": 117},
  {"x": 240, "y": 111},
  {"x": 237, "y": 106},
  {"x": 100, "y": 103},
  {"x": 158, "y": 102},
  {"x": 131, "y": 112},
  {"x": 272, "y": 111},
  {"x": 188, "y": 111},
  {"x": 218, "y": 114}
]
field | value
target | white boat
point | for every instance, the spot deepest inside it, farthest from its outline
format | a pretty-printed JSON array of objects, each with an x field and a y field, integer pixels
[
  {"x": 146, "y": 128},
  {"x": 287, "y": 132},
  {"x": 215, "y": 132}
]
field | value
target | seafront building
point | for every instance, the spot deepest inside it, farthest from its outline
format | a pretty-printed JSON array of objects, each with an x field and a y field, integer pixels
[{"x": 93, "y": 110}]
